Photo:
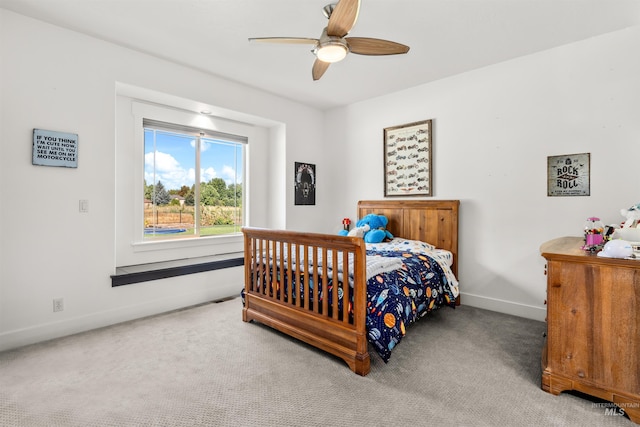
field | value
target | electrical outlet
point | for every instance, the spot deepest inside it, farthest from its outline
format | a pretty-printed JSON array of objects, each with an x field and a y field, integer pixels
[{"x": 58, "y": 304}]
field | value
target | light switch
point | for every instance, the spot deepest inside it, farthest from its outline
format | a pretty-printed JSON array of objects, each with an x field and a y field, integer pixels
[{"x": 84, "y": 206}]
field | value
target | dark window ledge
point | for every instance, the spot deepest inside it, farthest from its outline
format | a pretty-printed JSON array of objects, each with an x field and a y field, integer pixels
[{"x": 156, "y": 271}]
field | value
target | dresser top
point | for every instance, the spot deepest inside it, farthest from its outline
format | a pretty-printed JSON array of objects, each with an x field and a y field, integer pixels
[{"x": 570, "y": 249}]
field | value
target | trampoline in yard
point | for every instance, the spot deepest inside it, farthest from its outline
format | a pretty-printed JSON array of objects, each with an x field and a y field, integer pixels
[{"x": 161, "y": 230}]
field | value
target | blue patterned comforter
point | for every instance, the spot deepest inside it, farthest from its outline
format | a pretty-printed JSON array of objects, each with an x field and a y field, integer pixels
[{"x": 398, "y": 298}]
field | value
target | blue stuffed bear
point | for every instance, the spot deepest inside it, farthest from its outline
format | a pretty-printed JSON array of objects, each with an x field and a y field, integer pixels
[{"x": 372, "y": 228}]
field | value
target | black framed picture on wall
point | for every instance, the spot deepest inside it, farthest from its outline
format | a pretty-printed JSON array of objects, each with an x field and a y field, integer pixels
[{"x": 305, "y": 183}]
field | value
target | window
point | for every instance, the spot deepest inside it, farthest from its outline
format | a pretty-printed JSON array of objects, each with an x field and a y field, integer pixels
[
  {"x": 138, "y": 109},
  {"x": 192, "y": 182}
]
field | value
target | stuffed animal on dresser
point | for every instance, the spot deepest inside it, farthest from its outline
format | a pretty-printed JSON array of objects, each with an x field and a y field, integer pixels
[{"x": 633, "y": 216}]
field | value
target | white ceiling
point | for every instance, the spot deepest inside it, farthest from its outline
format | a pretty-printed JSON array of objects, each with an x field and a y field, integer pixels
[{"x": 446, "y": 37}]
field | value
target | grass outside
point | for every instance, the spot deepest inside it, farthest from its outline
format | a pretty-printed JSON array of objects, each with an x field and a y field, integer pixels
[
  {"x": 170, "y": 217},
  {"x": 217, "y": 230}
]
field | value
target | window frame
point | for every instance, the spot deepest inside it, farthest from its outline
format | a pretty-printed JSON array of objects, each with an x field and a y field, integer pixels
[
  {"x": 199, "y": 134},
  {"x": 264, "y": 179}
]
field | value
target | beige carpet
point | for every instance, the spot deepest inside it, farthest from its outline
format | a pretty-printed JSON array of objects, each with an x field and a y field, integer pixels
[{"x": 204, "y": 367}]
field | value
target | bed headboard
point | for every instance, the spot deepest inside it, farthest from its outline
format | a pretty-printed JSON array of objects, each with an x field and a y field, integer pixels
[{"x": 431, "y": 221}]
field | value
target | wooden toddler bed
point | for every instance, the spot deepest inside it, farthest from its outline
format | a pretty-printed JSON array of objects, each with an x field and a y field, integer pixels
[{"x": 289, "y": 277}]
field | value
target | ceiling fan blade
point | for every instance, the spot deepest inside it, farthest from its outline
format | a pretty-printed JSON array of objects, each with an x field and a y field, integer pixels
[
  {"x": 319, "y": 67},
  {"x": 288, "y": 40},
  {"x": 343, "y": 18},
  {"x": 369, "y": 46}
]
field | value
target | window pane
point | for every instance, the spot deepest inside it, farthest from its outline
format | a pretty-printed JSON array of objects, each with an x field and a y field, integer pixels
[
  {"x": 169, "y": 174},
  {"x": 174, "y": 207},
  {"x": 220, "y": 187}
]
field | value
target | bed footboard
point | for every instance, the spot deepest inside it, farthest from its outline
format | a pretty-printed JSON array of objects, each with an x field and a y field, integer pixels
[{"x": 298, "y": 284}]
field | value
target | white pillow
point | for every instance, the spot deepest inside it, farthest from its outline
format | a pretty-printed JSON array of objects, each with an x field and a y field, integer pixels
[{"x": 400, "y": 244}]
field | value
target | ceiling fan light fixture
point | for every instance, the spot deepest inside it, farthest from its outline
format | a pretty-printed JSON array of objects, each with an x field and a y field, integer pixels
[
  {"x": 333, "y": 45},
  {"x": 331, "y": 51}
]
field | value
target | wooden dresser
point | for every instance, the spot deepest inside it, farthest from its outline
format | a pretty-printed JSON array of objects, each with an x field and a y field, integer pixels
[{"x": 593, "y": 325}]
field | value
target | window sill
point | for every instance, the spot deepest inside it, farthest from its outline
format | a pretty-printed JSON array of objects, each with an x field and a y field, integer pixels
[
  {"x": 228, "y": 242},
  {"x": 161, "y": 270}
]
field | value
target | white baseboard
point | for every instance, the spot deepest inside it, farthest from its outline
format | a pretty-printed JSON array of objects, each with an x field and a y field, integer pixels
[
  {"x": 44, "y": 332},
  {"x": 502, "y": 306},
  {"x": 35, "y": 334}
]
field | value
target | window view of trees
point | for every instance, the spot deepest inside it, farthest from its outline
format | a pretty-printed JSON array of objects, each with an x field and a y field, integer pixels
[
  {"x": 212, "y": 193},
  {"x": 170, "y": 204}
]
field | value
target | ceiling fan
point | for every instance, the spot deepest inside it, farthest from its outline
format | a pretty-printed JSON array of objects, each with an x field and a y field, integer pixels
[{"x": 333, "y": 46}]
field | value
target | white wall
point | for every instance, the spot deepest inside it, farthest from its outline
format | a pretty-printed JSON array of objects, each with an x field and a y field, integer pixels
[
  {"x": 55, "y": 79},
  {"x": 493, "y": 130}
]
